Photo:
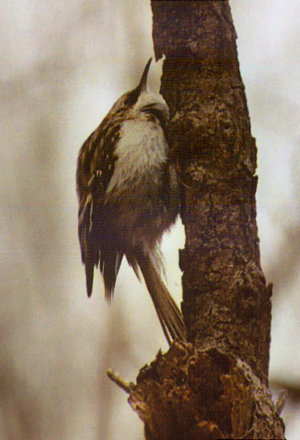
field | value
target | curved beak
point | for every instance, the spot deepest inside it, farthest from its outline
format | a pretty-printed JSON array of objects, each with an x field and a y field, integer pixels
[{"x": 143, "y": 82}]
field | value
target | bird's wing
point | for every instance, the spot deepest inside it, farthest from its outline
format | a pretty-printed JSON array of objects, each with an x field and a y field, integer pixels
[{"x": 95, "y": 167}]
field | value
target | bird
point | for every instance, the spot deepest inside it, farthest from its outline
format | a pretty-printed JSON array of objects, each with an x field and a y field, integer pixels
[{"x": 129, "y": 195}]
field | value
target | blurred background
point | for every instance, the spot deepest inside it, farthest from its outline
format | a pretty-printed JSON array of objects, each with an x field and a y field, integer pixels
[{"x": 63, "y": 64}]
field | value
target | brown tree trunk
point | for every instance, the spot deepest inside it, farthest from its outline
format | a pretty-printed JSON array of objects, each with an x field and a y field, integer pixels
[
  {"x": 225, "y": 299},
  {"x": 217, "y": 385}
]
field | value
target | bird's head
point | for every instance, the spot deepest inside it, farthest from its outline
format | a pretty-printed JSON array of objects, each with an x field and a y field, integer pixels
[{"x": 140, "y": 102}]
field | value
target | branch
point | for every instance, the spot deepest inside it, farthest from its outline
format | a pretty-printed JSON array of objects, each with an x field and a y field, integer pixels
[{"x": 118, "y": 380}]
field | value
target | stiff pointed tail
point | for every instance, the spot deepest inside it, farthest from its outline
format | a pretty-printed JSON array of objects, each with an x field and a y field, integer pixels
[{"x": 167, "y": 311}]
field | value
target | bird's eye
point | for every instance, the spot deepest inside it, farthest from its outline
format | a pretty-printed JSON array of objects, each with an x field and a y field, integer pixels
[{"x": 156, "y": 111}]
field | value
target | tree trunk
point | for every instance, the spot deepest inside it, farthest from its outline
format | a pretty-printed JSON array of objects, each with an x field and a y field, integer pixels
[{"x": 216, "y": 386}]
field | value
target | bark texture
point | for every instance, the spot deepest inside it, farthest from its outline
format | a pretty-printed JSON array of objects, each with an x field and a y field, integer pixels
[
  {"x": 191, "y": 394},
  {"x": 216, "y": 386},
  {"x": 225, "y": 299}
]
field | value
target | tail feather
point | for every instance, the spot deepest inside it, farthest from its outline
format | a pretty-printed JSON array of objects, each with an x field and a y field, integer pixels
[
  {"x": 109, "y": 266},
  {"x": 89, "y": 273},
  {"x": 167, "y": 311}
]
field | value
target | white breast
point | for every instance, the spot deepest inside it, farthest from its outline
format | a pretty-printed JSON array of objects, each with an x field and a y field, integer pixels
[{"x": 140, "y": 151}]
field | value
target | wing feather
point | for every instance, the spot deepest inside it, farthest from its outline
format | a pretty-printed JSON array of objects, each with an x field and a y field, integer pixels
[{"x": 95, "y": 168}]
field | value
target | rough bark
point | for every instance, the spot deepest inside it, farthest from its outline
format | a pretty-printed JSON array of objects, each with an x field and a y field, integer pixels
[
  {"x": 225, "y": 302},
  {"x": 192, "y": 394},
  {"x": 216, "y": 386}
]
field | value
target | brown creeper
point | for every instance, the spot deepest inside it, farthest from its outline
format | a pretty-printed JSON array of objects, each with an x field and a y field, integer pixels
[{"x": 128, "y": 196}]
